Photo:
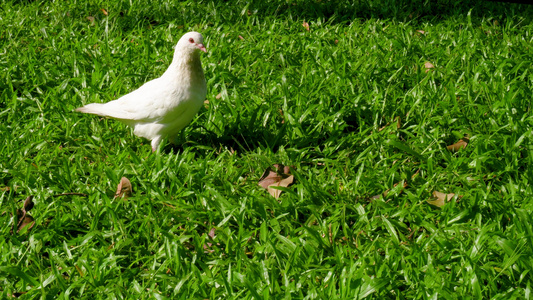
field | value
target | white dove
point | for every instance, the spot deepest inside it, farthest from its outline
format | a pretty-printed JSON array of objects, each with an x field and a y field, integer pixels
[{"x": 163, "y": 106}]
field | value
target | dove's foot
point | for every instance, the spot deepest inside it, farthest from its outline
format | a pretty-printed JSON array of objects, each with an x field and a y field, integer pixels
[{"x": 155, "y": 143}]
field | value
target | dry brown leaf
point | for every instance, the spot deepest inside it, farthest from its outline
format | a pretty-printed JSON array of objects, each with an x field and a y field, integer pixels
[
  {"x": 439, "y": 199},
  {"x": 124, "y": 188},
  {"x": 79, "y": 270},
  {"x": 211, "y": 233},
  {"x": 104, "y": 11},
  {"x": 421, "y": 31},
  {"x": 461, "y": 144},
  {"x": 428, "y": 66},
  {"x": 240, "y": 36},
  {"x": 91, "y": 19},
  {"x": 25, "y": 221},
  {"x": 306, "y": 25},
  {"x": 28, "y": 204},
  {"x": 279, "y": 177},
  {"x": 282, "y": 116},
  {"x": 218, "y": 96},
  {"x": 283, "y": 183}
]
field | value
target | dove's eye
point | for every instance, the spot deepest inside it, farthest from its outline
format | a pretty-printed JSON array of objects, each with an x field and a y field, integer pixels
[{"x": 191, "y": 40}]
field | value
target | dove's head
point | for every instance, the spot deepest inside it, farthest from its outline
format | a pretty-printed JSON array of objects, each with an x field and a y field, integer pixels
[{"x": 191, "y": 42}]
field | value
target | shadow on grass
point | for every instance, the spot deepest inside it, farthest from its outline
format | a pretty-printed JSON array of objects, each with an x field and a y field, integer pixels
[
  {"x": 339, "y": 11},
  {"x": 342, "y": 11}
]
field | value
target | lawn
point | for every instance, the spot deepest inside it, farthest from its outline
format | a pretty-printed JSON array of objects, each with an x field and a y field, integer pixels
[{"x": 360, "y": 98}]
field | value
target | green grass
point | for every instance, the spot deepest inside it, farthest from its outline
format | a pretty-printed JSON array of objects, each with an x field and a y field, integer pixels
[{"x": 325, "y": 101}]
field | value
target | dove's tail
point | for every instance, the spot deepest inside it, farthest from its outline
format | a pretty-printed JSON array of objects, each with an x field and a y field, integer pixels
[{"x": 93, "y": 108}]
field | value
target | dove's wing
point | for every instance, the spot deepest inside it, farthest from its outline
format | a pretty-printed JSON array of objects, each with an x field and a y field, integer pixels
[{"x": 146, "y": 104}]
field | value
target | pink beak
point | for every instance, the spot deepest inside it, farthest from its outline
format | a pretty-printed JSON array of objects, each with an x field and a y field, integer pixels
[{"x": 201, "y": 47}]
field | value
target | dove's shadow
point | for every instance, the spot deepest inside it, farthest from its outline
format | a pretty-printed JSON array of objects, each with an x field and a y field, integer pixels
[{"x": 233, "y": 139}]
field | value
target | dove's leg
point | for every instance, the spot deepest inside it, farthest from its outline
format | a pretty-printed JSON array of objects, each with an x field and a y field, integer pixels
[{"x": 155, "y": 143}]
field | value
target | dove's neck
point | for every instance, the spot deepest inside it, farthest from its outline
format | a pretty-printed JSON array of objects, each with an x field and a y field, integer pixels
[{"x": 186, "y": 66}]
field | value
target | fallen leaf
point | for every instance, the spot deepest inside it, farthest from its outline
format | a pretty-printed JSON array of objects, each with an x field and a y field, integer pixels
[
  {"x": 439, "y": 199},
  {"x": 28, "y": 204},
  {"x": 211, "y": 233},
  {"x": 91, "y": 19},
  {"x": 279, "y": 177},
  {"x": 336, "y": 42},
  {"x": 428, "y": 66},
  {"x": 282, "y": 116},
  {"x": 461, "y": 144},
  {"x": 218, "y": 96},
  {"x": 240, "y": 36},
  {"x": 124, "y": 188},
  {"x": 207, "y": 245},
  {"x": 283, "y": 183},
  {"x": 104, "y": 11},
  {"x": 25, "y": 221},
  {"x": 421, "y": 31},
  {"x": 306, "y": 25},
  {"x": 79, "y": 270}
]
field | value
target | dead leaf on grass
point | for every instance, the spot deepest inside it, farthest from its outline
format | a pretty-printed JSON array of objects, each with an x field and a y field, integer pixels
[
  {"x": 306, "y": 25},
  {"x": 428, "y": 66},
  {"x": 23, "y": 218},
  {"x": 104, "y": 11},
  {"x": 211, "y": 233},
  {"x": 278, "y": 176},
  {"x": 207, "y": 245},
  {"x": 124, "y": 188},
  {"x": 28, "y": 204},
  {"x": 461, "y": 144},
  {"x": 25, "y": 221},
  {"x": 439, "y": 199}
]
